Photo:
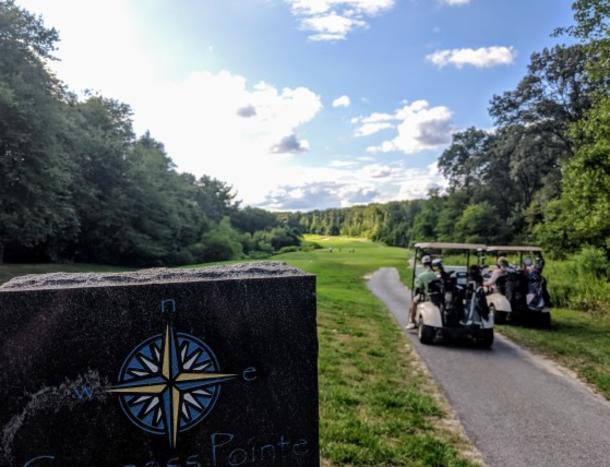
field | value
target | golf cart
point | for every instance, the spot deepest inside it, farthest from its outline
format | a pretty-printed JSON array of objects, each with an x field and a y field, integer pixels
[
  {"x": 454, "y": 305},
  {"x": 519, "y": 295}
]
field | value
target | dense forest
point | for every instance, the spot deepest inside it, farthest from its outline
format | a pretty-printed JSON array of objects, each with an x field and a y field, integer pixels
[
  {"x": 542, "y": 175},
  {"x": 76, "y": 183}
]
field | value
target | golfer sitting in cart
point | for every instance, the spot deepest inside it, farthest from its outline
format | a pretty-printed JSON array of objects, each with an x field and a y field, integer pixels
[
  {"x": 421, "y": 285},
  {"x": 520, "y": 294},
  {"x": 499, "y": 271},
  {"x": 537, "y": 294},
  {"x": 446, "y": 302}
]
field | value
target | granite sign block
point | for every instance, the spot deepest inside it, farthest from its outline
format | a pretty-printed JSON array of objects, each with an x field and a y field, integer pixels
[{"x": 187, "y": 367}]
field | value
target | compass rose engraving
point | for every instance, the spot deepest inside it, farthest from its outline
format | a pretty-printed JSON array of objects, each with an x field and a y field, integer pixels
[{"x": 169, "y": 383}]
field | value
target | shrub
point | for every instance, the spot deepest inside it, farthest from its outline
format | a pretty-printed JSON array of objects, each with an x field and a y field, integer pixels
[
  {"x": 259, "y": 254},
  {"x": 288, "y": 249},
  {"x": 573, "y": 284},
  {"x": 310, "y": 246},
  {"x": 221, "y": 243},
  {"x": 592, "y": 261}
]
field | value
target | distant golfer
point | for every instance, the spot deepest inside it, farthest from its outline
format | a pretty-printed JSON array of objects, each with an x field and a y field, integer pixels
[{"x": 421, "y": 285}]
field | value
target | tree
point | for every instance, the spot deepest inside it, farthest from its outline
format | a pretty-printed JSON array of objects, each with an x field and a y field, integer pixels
[
  {"x": 591, "y": 26},
  {"x": 479, "y": 223},
  {"x": 586, "y": 182},
  {"x": 464, "y": 161},
  {"x": 163, "y": 218},
  {"x": 35, "y": 171},
  {"x": 215, "y": 198},
  {"x": 426, "y": 222},
  {"x": 101, "y": 141},
  {"x": 555, "y": 93},
  {"x": 219, "y": 244},
  {"x": 252, "y": 219}
]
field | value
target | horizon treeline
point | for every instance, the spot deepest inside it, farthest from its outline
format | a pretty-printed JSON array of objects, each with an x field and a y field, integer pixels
[
  {"x": 542, "y": 175},
  {"x": 76, "y": 183}
]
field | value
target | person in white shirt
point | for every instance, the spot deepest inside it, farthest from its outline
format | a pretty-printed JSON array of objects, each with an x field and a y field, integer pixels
[{"x": 500, "y": 270}]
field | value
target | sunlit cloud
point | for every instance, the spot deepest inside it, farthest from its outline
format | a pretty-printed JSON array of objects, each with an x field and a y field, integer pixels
[
  {"x": 343, "y": 101},
  {"x": 484, "y": 57},
  {"x": 347, "y": 186},
  {"x": 455, "y": 2},
  {"x": 333, "y": 20},
  {"x": 418, "y": 126}
]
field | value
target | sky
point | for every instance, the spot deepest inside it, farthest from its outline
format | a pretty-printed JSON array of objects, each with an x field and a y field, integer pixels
[{"x": 303, "y": 104}]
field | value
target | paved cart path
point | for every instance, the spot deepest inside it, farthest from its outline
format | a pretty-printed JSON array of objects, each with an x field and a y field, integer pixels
[{"x": 518, "y": 409}]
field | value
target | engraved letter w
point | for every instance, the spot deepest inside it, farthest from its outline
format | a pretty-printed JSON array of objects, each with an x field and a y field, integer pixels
[{"x": 83, "y": 391}]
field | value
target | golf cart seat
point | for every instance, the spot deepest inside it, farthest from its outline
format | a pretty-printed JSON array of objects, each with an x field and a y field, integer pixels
[{"x": 514, "y": 287}]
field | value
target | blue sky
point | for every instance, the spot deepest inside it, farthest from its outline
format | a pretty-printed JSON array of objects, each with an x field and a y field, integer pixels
[{"x": 304, "y": 104}]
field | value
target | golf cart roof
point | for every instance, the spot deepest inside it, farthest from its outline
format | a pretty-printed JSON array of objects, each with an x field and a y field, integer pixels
[
  {"x": 449, "y": 246},
  {"x": 513, "y": 248}
]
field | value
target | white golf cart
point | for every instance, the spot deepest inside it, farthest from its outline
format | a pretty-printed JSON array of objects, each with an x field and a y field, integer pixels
[
  {"x": 453, "y": 306},
  {"x": 515, "y": 297}
]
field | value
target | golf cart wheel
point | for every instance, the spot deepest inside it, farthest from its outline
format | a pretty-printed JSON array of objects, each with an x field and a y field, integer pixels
[
  {"x": 486, "y": 339},
  {"x": 499, "y": 316},
  {"x": 425, "y": 333},
  {"x": 545, "y": 320}
]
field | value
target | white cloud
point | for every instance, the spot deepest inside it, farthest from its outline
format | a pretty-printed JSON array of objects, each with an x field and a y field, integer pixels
[
  {"x": 456, "y": 2},
  {"x": 378, "y": 170},
  {"x": 290, "y": 144},
  {"x": 220, "y": 123},
  {"x": 333, "y": 20},
  {"x": 418, "y": 126},
  {"x": 346, "y": 187},
  {"x": 342, "y": 163},
  {"x": 368, "y": 129},
  {"x": 484, "y": 57},
  {"x": 247, "y": 111},
  {"x": 343, "y": 101}
]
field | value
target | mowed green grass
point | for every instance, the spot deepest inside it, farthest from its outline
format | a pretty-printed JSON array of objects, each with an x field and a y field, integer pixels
[
  {"x": 8, "y": 271},
  {"x": 579, "y": 340},
  {"x": 376, "y": 407}
]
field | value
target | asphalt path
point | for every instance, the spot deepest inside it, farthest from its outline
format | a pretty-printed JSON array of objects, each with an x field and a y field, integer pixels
[{"x": 517, "y": 408}]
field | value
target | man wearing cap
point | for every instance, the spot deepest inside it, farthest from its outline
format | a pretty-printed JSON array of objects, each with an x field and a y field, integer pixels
[{"x": 421, "y": 285}]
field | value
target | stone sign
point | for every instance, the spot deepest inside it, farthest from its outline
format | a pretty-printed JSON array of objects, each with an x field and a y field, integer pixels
[{"x": 187, "y": 367}]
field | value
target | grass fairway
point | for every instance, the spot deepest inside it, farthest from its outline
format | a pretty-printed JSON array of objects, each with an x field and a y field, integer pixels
[
  {"x": 8, "y": 271},
  {"x": 376, "y": 407},
  {"x": 578, "y": 340}
]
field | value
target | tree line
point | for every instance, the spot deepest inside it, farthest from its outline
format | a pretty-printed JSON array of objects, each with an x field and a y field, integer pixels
[
  {"x": 77, "y": 184},
  {"x": 542, "y": 175}
]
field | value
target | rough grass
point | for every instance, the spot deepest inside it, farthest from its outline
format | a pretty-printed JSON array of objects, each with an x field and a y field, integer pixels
[
  {"x": 376, "y": 407},
  {"x": 578, "y": 340},
  {"x": 571, "y": 289}
]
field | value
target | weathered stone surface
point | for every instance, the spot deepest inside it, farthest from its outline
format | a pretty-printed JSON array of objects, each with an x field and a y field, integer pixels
[{"x": 103, "y": 369}]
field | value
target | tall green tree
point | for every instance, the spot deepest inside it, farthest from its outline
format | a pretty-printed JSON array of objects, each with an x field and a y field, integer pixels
[
  {"x": 463, "y": 163},
  {"x": 35, "y": 171},
  {"x": 586, "y": 181}
]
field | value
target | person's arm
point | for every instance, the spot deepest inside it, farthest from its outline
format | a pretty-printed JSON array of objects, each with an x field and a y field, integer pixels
[
  {"x": 494, "y": 277},
  {"x": 539, "y": 264}
]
